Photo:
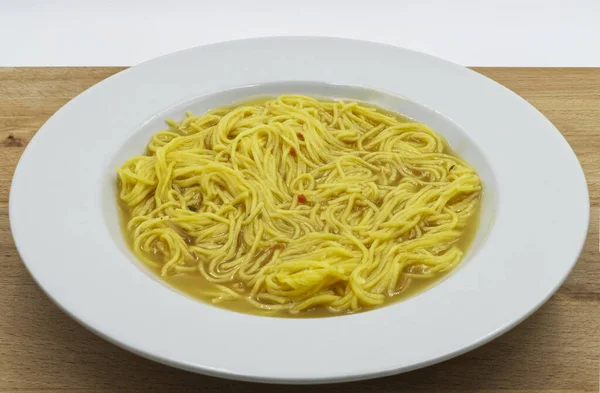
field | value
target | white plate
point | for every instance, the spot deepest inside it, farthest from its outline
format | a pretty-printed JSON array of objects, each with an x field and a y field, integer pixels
[{"x": 64, "y": 222}]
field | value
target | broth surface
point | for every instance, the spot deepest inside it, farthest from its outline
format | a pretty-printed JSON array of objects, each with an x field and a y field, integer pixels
[{"x": 194, "y": 284}]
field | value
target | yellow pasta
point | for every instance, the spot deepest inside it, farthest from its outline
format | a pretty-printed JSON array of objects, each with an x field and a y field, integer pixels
[{"x": 294, "y": 203}]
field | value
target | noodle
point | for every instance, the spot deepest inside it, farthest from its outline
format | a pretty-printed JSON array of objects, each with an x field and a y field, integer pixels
[{"x": 294, "y": 203}]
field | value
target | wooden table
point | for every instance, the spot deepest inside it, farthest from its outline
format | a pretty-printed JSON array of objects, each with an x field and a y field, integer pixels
[{"x": 555, "y": 350}]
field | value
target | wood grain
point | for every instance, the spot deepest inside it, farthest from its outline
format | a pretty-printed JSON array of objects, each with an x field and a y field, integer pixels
[{"x": 555, "y": 350}]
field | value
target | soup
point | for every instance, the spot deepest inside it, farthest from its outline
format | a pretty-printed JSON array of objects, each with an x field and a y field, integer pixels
[{"x": 294, "y": 206}]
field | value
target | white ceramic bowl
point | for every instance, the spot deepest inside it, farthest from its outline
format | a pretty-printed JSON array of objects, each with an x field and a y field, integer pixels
[{"x": 533, "y": 225}]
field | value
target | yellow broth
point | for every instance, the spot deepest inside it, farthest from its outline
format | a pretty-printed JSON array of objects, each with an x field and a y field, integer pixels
[{"x": 196, "y": 286}]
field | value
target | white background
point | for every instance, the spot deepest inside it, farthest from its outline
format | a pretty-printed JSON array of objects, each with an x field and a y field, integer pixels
[{"x": 470, "y": 32}]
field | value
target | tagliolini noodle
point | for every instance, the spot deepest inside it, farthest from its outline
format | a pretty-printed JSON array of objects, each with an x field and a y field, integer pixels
[{"x": 294, "y": 203}]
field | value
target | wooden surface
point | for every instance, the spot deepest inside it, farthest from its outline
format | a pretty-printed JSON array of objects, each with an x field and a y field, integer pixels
[{"x": 555, "y": 350}]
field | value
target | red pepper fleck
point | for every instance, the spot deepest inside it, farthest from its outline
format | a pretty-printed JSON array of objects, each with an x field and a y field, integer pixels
[
  {"x": 278, "y": 246},
  {"x": 293, "y": 152},
  {"x": 301, "y": 198},
  {"x": 300, "y": 136}
]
